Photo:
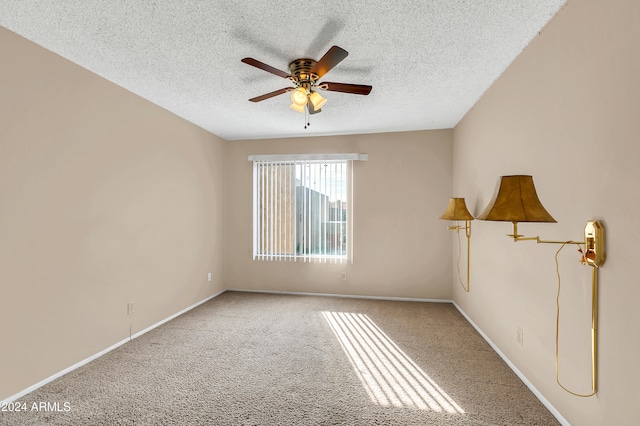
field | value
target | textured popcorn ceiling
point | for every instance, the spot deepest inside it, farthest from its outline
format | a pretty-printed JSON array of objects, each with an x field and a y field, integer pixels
[{"x": 428, "y": 61}]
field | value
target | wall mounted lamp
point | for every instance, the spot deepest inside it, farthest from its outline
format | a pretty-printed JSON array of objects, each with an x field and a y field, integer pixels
[
  {"x": 516, "y": 200},
  {"x": 457, "y": 210}
]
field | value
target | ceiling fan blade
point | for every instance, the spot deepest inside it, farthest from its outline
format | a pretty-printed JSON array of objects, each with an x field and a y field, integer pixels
[
  {"x": 330, "y": 59},
  {"x": 356, "y": 89},
  {"x": 271, "y": 94},
  {"x": 268, "y": 68}
]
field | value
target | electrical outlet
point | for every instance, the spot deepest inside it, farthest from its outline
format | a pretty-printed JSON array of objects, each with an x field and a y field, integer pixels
[
  {"x": 209, "y": 276},
  {"x": 129, "y": 308},
  {"x": 520, "y": 336}
]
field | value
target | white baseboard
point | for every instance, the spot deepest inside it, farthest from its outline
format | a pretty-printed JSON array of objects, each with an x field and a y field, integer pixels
[
  {"x": 177, "y": 314},
  {"x": 104, "y": 351},
  {"x": 348, "y": 296},
  {"x": 519, "y": 373}
]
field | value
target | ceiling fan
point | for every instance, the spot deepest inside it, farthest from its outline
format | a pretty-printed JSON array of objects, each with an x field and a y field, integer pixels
[{"x": 305, "y": 73}]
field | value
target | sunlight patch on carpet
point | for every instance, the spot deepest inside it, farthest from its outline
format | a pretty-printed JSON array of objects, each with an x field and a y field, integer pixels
[{"x": 389, "y": 376}]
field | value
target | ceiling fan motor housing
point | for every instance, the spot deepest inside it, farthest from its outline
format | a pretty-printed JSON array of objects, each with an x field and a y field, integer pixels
[{"x": 301, "y": 73}]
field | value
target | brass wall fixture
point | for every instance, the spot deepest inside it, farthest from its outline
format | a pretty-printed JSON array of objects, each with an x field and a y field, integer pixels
[
  {"x": 457, "y": 210},
  {"x": 516, "y": 200}
]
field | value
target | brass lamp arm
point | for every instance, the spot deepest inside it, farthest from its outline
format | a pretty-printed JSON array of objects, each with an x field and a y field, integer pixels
[
  {"x": 537, "y": 239},
  {"x": 467, "y": 228}
]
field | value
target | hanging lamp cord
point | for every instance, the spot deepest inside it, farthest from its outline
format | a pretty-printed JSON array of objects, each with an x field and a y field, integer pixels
[
  {"x": 458, "y": 263},
  {"x": 594, "y": 285}
]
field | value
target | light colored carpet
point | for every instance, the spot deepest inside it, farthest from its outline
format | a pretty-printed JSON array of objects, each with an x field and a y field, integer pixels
[{"x": 268, "y": 359}]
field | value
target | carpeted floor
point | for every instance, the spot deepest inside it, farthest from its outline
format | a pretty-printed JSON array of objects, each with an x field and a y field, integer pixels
[{"x": 267, "y": 359}]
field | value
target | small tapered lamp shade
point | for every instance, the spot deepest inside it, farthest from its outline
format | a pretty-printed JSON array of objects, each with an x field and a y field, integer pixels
[
  {"x": 456, "y": 210},
  {"x": 516, "y": 200}
]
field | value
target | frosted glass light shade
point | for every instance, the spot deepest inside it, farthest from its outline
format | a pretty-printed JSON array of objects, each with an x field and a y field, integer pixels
[
  {"x": 299, "y": 96},
  {"x": 317, "y": 100},
  {"x": 299, "y": 108}
]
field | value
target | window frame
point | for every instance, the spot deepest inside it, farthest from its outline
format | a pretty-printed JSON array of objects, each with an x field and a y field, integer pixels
[{"x": 295, "y": 160}]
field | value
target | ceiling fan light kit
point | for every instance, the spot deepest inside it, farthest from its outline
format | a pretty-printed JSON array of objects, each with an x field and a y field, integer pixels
[{"x": 304, "y": 73}]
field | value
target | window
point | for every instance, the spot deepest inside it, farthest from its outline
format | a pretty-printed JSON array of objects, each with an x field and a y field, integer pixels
[{"x": 302, "y": 207}]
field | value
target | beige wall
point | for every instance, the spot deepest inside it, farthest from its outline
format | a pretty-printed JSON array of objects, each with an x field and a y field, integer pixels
[
  {"x": 104, "y": 199},
  {"x": 566, "y": 112},
  {"x": 399, "y": 194}
]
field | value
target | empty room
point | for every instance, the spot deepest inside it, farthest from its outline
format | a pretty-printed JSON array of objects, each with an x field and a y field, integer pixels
[{"x": 276, "y": 213}]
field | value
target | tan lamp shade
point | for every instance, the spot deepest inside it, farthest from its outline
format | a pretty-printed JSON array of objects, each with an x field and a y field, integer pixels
[
  {"x": 516, "y": 200},
  {"x": 456, "y": 210}
]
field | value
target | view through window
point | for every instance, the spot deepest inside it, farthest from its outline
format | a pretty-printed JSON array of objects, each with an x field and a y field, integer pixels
[{"x": 301, "y": 210}]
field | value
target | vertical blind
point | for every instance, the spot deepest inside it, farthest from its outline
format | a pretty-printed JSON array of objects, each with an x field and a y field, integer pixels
[{"x": 303, "y": 207}]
